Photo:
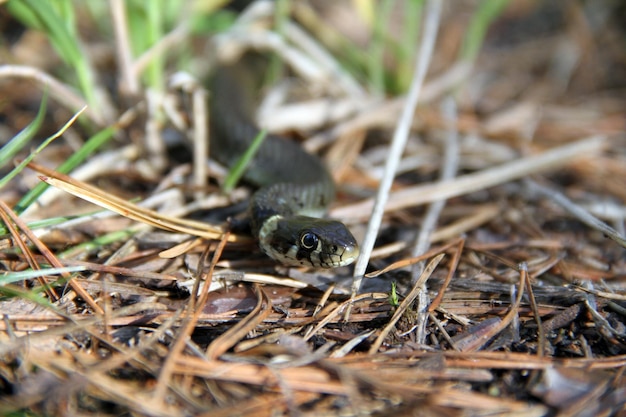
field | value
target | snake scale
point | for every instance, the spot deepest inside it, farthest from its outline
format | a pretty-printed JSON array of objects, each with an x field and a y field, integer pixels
[{"x": 294, "y": 186}]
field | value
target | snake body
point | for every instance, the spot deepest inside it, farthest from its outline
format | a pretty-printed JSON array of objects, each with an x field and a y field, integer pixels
[{"x": 295, "y": 187}]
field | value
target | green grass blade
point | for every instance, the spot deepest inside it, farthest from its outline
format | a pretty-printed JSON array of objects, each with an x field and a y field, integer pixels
[
  {"x": 94, "y": 143},
  {"x": 5, "y": 180},
  {"x": 65, "y": 9},
  {"x": 239, "y": 168},
  {"x": 41, "y": 15},
  {"x": 47, "y": 19},
  {"x": 13, "y": 291},
  {"x": 486, "y": 13},
  {"x": 24, "y": 136},
  {"x": 24, "y": 14},
  {"x": 49, "y": 222},
  {"x": 376, "y": 62},
  {"x": 98, "y": 243},
  {"x": 408, "y": 46},
  {"x": 155, "y": 71},
  {"x": 12, "y": 277}
]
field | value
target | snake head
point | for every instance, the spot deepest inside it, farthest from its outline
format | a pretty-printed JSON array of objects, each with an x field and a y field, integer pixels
[{"x": 308, "y": 241}]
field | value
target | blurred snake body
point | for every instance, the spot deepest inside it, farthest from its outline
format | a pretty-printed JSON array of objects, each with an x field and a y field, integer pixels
[{"x": 294, "y": 186}]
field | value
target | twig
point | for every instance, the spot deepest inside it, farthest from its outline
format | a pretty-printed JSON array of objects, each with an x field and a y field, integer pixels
[
  {"x": 400, "y": 137},
  {"x": 170, "y": 40},
  {"x": 577, "y": 211},
  {"x": 61, "y": 92},
  {"x": 200, "y": 142},
  {"x": 462, "y": 185}
]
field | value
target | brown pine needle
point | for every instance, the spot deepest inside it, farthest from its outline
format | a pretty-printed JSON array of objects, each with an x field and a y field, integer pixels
[{"x": 127, "y": 209}]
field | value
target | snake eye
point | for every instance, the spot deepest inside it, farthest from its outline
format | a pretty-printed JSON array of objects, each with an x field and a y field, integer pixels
[{"x": 309, "y": 240}]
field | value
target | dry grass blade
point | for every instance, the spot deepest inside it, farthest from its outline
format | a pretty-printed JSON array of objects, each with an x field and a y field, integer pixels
[
  {"x": 412, "y": 261},
  {"x": 126, "y": 209},
  {"x": 456, "y": 257}
]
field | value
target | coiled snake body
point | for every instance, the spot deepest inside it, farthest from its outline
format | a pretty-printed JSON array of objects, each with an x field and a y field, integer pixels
[{"x": 295, "y": 187}]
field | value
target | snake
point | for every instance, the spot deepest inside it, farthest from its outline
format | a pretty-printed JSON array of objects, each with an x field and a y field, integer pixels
[{"x": 294, "y": 187}]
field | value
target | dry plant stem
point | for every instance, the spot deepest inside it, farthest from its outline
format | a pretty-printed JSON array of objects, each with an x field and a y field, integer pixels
[
  {"x": 577, "y": 211},
  {"x": 306, "y": 378},
  {"x": 465, "y": 184},
  {"x": 196, "y": 297},
  {"x": 453, "y": 266},
  {"x": 603, "y": 294},
  {"x": 125, "y": 393},
  {"x": 442, "y": 329},
  {"x": 541, "y": 336},
  {"x": 129, "y": 84},
  {"x": 450, "y": 167},
  {"x": 431, "y": 23},
  {"x": 483, "y": 214},
  {"x": 347, "y": 347},
  {"x": 231, "y": 44},
  {"x": 324, "y": 299},
  {"x": 600, "y": 321},
  {"x": 126, "y": 249},
  {"x": 165, "y": 43},
  {"x": 154, "y": 145},
  {"x": 52, "y": 259},
  {"x": 306, "y": 57},
  {"x": 61, "y": 92},
  {"x": 200, "y": 142},
  {"x": 406, "y": 303}
]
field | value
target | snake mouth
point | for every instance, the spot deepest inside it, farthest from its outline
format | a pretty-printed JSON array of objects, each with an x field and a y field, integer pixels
[{"x": 349, "y": 254}]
